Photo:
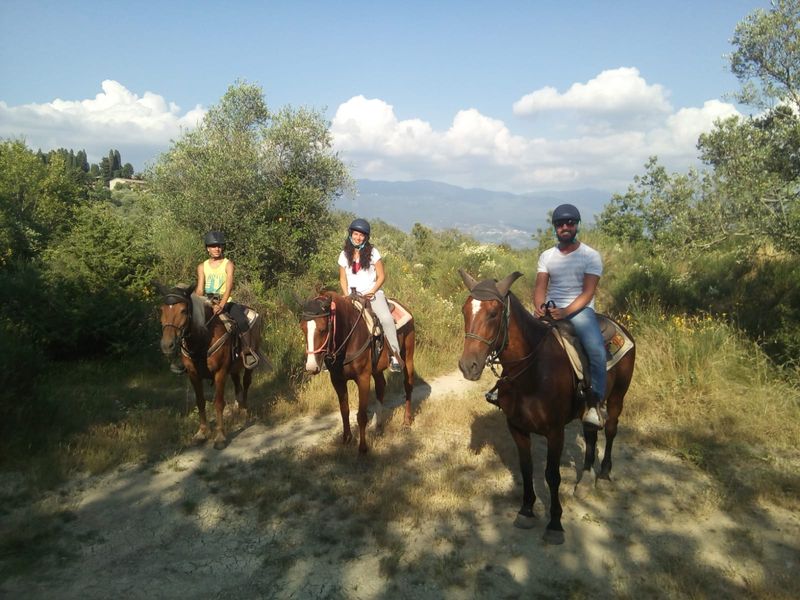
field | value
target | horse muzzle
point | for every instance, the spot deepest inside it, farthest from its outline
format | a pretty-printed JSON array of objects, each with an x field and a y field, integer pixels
[
  {"x": 471, "y": 368},
  {"x": 313, "y": 364}
]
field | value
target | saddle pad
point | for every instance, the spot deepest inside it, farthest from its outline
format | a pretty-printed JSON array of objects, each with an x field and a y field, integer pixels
[
  {"x": 229, "y": 323},
  {"x": 616, "y": 347},
  {"x": 400, "y": 314}
]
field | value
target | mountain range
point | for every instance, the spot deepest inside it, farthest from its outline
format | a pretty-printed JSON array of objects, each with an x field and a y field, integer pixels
[{"x": 488, "y": 216}]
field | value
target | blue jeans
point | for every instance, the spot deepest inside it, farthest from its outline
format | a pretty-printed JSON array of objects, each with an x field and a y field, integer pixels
[{"x": 588, "y": 331}]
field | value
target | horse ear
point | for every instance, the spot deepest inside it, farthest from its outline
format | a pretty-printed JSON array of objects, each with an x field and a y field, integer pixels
[
  {"x": 468, "y": 279},
  {"x": 162, "y": 289},
  {"x": 506, "y": 284}
]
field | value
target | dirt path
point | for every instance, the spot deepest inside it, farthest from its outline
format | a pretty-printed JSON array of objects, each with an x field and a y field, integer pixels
[{"x": 176, "y": 530}]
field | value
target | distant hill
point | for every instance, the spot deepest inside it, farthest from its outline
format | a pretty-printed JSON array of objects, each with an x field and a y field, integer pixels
[{"x": 487, "y": 215}]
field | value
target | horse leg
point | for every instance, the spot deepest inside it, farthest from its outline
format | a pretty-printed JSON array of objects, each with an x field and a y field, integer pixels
[
  {"x": 340, "y": 385},
  {"x": 525, "y": 518},
  {"x": 614, "y": 411},
  {"x": 202, "y": 432},
  {"x": 361, "y": 416},
  {"x": 219, "y": 406},
  {"x": 554, "y": 534},
  {"x": 248, "y": 378},
  {"x": 585, "y": 483},
  {"x": 237, "y": 388},
  {"x": 408, "y": 379},
  {"x": 380, "y": 392}
]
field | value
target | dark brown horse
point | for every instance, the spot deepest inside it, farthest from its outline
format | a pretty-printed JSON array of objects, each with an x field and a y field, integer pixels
[
  {"x": 189, "y": 327},
  {"x": 337, "y": 336},
  {"x": 537, "y": 388}
]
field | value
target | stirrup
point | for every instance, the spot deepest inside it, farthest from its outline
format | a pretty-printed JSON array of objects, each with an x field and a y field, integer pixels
[{"x": 249, "y": 359}]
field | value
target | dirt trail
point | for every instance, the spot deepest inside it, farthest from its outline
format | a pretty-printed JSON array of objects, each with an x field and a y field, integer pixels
[{"x": 170, "y": 531}]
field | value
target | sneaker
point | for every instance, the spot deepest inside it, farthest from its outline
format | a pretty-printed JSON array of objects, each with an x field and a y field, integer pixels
[
  {"x": 394, "y": 365},
  {"x": 592, "y": 418},
  {"x": 492, "y": 397}
]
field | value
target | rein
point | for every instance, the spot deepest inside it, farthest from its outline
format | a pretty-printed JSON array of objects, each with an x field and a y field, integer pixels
[
  {"x": 328, "y": 347},
  {"x": 172, "y": 299},
  {"x": 493, "y": 358}
]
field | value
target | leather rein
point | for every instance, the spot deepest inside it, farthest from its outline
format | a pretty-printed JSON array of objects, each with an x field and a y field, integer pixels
[
  {"x": 328, "y": 348},
  {"x": 493, "y": 358},
  {"x": 180, "y": 332}
]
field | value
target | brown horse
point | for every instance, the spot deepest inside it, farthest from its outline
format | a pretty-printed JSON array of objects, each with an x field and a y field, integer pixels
[
  {"x": 537, "y": 389},
  {"x": 337, "y": 335},
  {"x": 189, "y": 326}
]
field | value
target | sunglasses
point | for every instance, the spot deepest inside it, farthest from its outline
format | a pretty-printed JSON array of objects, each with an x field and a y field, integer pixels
[
  {"x": 214, "y": 246},
  {"x": 567, "y": 222}
]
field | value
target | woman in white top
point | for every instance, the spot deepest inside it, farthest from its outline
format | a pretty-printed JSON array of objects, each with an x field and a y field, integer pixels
[{"x": 361, "y": 270}]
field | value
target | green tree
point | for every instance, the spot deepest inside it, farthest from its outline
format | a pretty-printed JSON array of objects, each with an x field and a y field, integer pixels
[
  {"x": 266, "y": 179},
  {"x": 766, "y": 58}
]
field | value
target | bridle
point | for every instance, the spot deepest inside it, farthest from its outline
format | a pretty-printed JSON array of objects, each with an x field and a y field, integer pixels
[
  {"x": 172, "y": 300},
  {"x": 180, "y": 331},
  {"x": 328, "y": 348},
  {"x": 493, "y": 357}
]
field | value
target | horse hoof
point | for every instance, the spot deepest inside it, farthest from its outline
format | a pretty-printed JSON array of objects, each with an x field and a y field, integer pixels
[
  {"x": 553, "y": 537},
  {"x": 584, "y": 486},
  {"x": 523, "y": 522},
  {"x": 199, "y": 439},
  {"x": 219, "y": 445}
]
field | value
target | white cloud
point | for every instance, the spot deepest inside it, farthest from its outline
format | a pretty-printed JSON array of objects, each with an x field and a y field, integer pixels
[
  {"x": 621, "y": 90},
  {"x": 139, "y": 126},
  {"x": 589, "y": 149},
  {"x": 481, "y": 151}
]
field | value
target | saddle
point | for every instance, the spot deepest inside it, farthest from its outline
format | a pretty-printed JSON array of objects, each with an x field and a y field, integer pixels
[
  {"x": 400, "y": 315},
  {"x": 250, "y": 359},
  {"x": 616, "y": 340}
]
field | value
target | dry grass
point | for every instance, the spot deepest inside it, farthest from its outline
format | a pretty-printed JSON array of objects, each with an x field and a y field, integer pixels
[{"x": 711, "y": 396}]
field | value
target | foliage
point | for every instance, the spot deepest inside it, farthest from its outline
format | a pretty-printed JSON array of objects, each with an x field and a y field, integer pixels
[
  {"x": 266, "y": 179},
  {"x": 766, "y": 58}
]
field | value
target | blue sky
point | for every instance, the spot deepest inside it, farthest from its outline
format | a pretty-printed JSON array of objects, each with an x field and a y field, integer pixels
[{"x": 516, "y": 96}]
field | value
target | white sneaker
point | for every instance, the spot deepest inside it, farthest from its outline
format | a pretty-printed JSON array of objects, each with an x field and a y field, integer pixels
[
  {"x": 394, "y": 365},
  {"x": 592, "y": 418}
]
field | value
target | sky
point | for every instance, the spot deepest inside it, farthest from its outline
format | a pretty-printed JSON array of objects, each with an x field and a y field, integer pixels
[{"x": 518, "y": 96}]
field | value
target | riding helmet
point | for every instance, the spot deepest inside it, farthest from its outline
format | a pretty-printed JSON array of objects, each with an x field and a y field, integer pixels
[
  {"x": 564, "y": 212},
  {"x": 214, "y": 238},
  {"x": 360, "y": 225}
]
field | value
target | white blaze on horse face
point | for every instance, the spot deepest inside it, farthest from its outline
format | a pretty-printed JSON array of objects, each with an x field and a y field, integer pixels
[
  {"x": 312, "y": 360},
  {"x": 476, "y": 307}
]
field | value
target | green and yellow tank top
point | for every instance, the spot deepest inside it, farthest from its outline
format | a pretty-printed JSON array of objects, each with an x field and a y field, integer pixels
[{"x": 216, "y": 278}]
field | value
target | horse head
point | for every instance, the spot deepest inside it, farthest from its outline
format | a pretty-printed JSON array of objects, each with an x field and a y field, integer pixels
[
  {"x": 486, "y": 313},
  {"x": 176, "y": 315},
  {"x": 317, "y": 323}
]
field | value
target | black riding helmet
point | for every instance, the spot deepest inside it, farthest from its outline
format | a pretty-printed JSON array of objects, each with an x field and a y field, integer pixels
[
  {"x": 564, "y": 212},
  {"x": 214, "y": 238},
  {"x": 360, "y": 225}
]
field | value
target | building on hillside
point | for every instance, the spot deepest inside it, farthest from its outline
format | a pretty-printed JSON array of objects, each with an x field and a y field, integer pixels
[{"x": 127, "y": 182}]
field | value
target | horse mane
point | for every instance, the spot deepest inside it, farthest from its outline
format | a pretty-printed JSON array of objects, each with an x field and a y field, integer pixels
[
  {"x": 198, "y": 306},
  {"x": 531, "y": 327}
]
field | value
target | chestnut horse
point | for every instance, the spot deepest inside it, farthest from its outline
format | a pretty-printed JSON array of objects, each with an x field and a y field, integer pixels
[
  {"x": 337, "y": 335},
  {"x": 189, "y": 326},
  {"x": 537, "y": 389}
]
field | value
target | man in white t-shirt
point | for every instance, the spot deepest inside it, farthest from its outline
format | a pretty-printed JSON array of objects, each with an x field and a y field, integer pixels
[{"x": 567, "y": 275}]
